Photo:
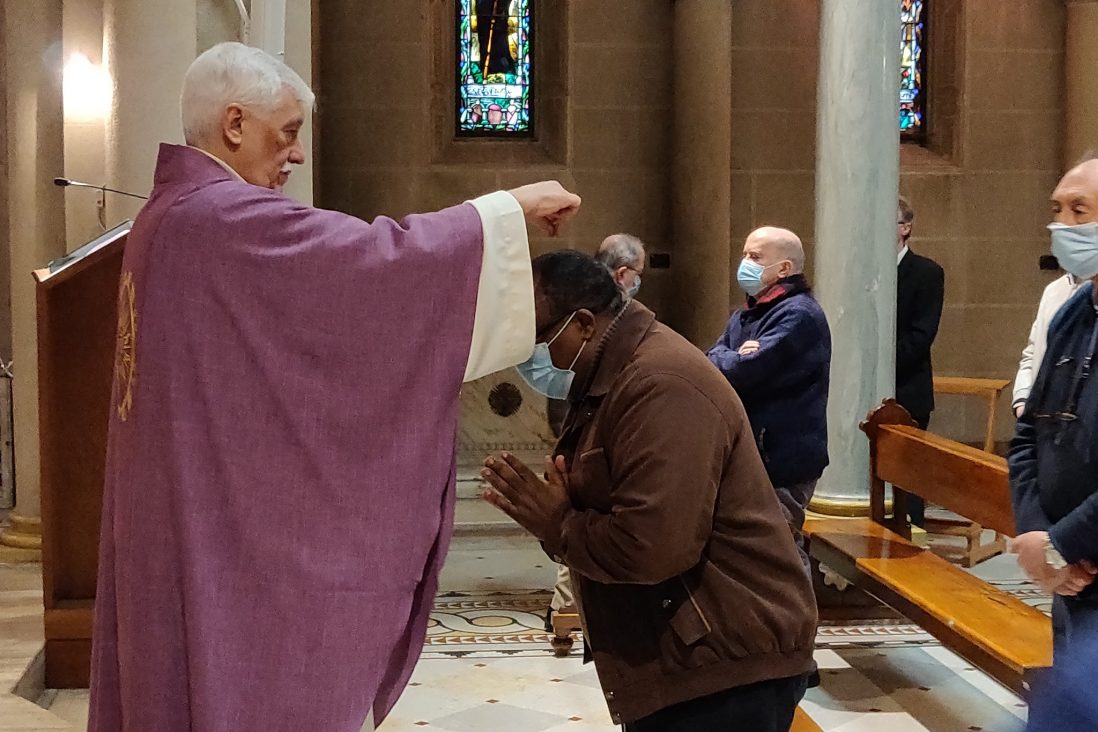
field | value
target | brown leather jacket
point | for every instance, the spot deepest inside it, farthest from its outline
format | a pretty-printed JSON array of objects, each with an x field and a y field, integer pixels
[{"x": 686, "y": 574}]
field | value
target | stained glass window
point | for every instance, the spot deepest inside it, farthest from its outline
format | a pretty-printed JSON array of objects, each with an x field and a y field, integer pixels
[
  {"x": 912, "y": 68},
  {"x": 494, "y": 68}
]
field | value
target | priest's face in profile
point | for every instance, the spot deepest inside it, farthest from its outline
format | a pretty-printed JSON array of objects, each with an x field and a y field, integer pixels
[{"x": 265, "y": 141}]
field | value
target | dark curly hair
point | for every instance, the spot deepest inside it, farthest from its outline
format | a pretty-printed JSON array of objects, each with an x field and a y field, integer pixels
[{"x": 572, "y": 281}]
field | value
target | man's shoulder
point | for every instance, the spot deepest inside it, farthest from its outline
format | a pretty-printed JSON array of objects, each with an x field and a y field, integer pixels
[
  {"x": 1060, "y": 288},
  {"x": 923, "y": 263},
  {"x": 1076, "y": 309},
  {"x": 666, "y": 356},
  {"x": 799, "y": 307},
  {"x": 233, "y": 207}
]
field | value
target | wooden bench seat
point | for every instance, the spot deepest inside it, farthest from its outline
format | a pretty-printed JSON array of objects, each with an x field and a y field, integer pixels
[
  {"x": 803, "y": 723},
  {"x": 994, "y": 630}
]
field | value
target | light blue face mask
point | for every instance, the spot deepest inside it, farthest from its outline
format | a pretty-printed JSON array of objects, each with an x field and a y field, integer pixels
[
  {"x": 1076, "y": 248},
  {"x": 634, "y": 288},
  {"x": 543, "y": 377},
  {"x": 749, "y": 275}
]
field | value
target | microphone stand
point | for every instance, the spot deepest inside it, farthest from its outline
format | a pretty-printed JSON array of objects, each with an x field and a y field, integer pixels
[{"x": 101, "y": 204}]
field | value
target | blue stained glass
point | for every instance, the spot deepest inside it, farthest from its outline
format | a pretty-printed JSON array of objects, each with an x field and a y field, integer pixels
[
  {"x": 494, "y": 67},
  {"x": 912, "y": 67}
]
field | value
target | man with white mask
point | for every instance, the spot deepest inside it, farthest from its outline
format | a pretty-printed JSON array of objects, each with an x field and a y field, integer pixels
[
  {"x": 1058, "y": 292},
  {"x": 776, "y": 353},
  {"x": 1054, "y": 455}
]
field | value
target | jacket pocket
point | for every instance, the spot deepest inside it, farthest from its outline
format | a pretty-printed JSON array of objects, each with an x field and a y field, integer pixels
[
  {"x": 689, "y": 622},
  {"x": 688, "y": 641},
  {"x": 590, "y": 482}
]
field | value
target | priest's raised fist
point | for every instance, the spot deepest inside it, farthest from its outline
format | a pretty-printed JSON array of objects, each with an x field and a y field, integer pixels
[{"x": 547, "y": 205}]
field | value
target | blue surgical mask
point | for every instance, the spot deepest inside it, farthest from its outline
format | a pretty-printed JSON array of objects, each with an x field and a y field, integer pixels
[
  {"x": 750, "y": 276},
  {"x": 634, "y": 288},
  {"x": 1076, "y": 248},
  {"x": 543, "y": 377}
]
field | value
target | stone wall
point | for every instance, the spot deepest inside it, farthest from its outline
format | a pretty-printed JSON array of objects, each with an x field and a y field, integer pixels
[
  {"x": 655, "y": 107},
  {"x": 980, "y": 186}
]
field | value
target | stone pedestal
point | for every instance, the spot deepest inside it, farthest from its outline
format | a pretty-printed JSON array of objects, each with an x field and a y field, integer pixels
[{"x": 857, "y": 179}]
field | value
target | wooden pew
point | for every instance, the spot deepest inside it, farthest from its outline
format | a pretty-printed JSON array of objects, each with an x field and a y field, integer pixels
[
  {"x": 989, "y": 390},
  {"x": 995, "y": 631}
]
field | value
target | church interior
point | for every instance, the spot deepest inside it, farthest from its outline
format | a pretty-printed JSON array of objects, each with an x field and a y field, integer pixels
[{"x": 687, "y": 123}]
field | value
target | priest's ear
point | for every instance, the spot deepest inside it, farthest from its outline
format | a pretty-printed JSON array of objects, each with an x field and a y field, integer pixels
[{"x": 232, "y": 125}]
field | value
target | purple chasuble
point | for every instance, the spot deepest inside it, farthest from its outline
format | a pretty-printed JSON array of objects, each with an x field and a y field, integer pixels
[{"x": 280, "y": 471}]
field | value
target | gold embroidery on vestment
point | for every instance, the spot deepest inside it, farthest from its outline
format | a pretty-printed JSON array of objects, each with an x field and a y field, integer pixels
[{"x": 125, "y": 364}]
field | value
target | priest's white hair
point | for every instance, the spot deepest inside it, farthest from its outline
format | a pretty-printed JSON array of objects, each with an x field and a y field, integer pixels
[{"x": 234, "y": 73}]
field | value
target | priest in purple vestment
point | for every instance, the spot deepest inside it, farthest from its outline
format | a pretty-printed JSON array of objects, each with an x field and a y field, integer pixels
[{"x": 280, "y": 468}]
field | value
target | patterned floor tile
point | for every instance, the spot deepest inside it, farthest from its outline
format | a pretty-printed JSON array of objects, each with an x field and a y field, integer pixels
[{"x": 491, "y": 716}]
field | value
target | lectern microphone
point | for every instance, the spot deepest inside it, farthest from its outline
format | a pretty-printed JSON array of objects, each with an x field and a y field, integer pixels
[{"x": 65, "y": 182}]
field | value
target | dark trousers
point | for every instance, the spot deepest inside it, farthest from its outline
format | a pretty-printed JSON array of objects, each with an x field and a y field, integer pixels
[
  {"x": 1073, "y": 621},
  {"x": 767, "y": 706},
  {"x": 916, "y": 506},
  {"x": 794, "y": 501},
  {"x": 1063, "y": 698}
]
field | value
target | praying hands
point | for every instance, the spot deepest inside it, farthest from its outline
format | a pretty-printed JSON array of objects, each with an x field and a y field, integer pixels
[{"x": 535, "y": 504}]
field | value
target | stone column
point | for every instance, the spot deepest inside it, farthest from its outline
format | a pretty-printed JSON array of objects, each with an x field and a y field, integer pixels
[
  {"x": 148, "y": 46},
  {"x": 86, "y": 109},
  {"x": 1080, "y": 79},
  {"x": 36, "y": 217},
  {"x": 299, "y": 56},
  {"x": 702, "y": 143},
  {"x": 857, "y": 179}
]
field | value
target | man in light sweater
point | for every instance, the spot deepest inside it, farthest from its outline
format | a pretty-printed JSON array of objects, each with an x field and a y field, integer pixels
[{"x": 1052, "y": 299}]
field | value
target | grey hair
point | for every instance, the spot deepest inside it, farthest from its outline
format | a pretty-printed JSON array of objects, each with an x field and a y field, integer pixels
[
  {"x": 905, "y": 210},
  {"x": 621, "y": 250},
  {"x": 232, "y": 73}
]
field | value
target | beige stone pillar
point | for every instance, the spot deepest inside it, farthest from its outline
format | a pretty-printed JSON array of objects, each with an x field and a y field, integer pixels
[
  {"x": 36, "y": 218},
  {"x": 148, "y": 45},
  {"x": 299, "y": 56},
  {"x": 86, "y": 108},
  {"x": 5, "y": 264},
  {"x": 701, "y": 200},
  {"x": 1081, "y": 79}
]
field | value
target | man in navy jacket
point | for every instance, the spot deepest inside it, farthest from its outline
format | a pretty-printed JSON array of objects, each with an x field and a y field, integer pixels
[
  {"x": 1054, "y": 455},
  {"x": 776, "y": 353}
]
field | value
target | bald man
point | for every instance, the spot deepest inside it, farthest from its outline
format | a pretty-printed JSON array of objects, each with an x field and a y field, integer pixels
[{"x": 776, "y": 353}]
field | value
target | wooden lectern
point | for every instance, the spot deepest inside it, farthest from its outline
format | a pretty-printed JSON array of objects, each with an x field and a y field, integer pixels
[{"x": 77, "y": 327}]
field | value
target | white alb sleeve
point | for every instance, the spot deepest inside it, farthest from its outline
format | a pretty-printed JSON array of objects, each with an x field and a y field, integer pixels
[{"x": 503, "y": 328}]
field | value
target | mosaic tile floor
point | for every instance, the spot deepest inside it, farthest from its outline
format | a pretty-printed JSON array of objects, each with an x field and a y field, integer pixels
[{"x": 487, "y": 665}]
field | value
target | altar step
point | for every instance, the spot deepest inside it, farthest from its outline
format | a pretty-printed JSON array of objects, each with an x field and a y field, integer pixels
[{"x": 474, "y": 517}]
